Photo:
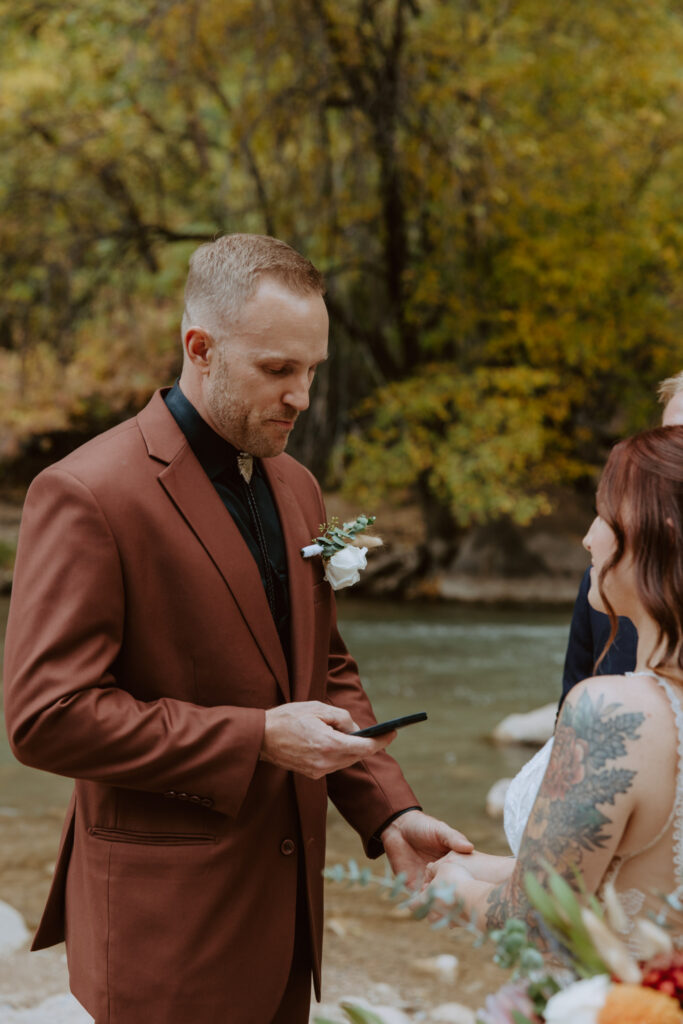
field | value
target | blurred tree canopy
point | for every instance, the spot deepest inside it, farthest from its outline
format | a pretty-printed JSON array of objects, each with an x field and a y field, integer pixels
[{"x": 492, "y": 188}]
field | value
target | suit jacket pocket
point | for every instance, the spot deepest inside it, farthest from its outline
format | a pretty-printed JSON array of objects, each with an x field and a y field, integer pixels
[{"x": 126, "y": 835}]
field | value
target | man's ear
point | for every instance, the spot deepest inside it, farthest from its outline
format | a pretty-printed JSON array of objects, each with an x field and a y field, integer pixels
[{"x": 199, "y": 346}]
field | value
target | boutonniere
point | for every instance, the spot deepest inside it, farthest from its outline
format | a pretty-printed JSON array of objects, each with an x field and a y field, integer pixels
[{"x": 343, "y": 550}]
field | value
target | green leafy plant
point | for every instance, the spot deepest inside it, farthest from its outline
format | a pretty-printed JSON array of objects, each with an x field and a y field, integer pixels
[{"x": 334, "y": 537}]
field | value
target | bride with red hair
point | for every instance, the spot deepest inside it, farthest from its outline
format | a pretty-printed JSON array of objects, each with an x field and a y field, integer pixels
[{"x": 610, "y": 803}]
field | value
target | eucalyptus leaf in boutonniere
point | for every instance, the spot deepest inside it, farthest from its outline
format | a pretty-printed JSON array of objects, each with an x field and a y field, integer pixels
[{"x": 343, "y": 549}]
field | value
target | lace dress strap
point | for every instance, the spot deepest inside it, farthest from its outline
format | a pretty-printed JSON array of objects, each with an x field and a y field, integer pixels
[
  {"x": 632, "y": 899},
  {"x": 676, "y": 813},
  {"x": 677, "y": 810}
]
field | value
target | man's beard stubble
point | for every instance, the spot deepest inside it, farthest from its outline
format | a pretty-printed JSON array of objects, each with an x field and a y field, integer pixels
[{"x": 231, "y": 415}]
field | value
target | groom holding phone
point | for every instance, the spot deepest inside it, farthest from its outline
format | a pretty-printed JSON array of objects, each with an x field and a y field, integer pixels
[{"x": 170, "y": 650}]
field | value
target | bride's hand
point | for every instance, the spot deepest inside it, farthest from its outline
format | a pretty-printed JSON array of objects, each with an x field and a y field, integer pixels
[
  {"x": 485, "y": 867},
  {"x": 451, "y": 872}
]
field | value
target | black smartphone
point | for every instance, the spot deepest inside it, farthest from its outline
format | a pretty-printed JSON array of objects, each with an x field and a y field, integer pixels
[{"x": 393, "y": 723}]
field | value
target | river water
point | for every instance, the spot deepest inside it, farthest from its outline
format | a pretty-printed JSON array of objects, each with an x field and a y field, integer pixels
[{"x": 467, "y": 668}]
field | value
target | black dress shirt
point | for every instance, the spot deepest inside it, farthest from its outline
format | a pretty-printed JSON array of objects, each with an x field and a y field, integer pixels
[{"x": 218, "y": 459}]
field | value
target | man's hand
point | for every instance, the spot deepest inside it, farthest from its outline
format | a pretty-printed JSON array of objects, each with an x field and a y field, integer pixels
[
  {"x": 415, "y": 840},
  {"x": 312, "y": 738}
]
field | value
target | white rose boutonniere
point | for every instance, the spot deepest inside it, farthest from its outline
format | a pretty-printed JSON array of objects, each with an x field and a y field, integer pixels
[{"x": 342, "y": 549}]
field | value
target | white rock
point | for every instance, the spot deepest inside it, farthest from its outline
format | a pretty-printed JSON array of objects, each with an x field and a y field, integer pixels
[
  {"x": 13, "y": 932},
  {"x": 452, "y": 1013},
  {"x": 62, "y": 1009},
  {"x": 334, "y": 925},
  {"x": 534, "y": 727},
  {"x": 384, "y": 993},
  {"x": 495, "y": 798},
  {"x": 444, "y": 966}
]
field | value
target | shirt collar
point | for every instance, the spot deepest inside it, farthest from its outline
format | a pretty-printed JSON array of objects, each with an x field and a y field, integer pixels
[{"x": 213, "y": 452}]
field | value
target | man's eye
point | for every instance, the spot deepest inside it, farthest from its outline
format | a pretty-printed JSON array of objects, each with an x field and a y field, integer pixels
[{"x": 276, "y": 370}]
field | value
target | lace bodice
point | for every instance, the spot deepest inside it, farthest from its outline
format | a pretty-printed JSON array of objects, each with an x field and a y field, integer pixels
[
  {"x": 521, "y": 795},
  {"x": 625, "y": 872}
]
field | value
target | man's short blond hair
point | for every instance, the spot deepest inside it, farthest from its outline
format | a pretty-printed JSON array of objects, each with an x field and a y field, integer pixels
[
  {"x": 670, "y": 387},
  {"x": 226, "y": 273}
]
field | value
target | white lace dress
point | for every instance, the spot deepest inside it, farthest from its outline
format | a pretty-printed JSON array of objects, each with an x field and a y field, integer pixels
[{"x": 522, "y": 793}]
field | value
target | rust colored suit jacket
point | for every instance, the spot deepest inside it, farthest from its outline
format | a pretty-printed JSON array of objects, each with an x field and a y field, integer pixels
[{"x": 140, "y": 656}]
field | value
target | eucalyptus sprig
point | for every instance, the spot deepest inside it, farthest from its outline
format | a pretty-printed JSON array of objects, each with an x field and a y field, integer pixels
[
  {"x": 449, "y": 907},
  {"x": 334, "y": 537}
]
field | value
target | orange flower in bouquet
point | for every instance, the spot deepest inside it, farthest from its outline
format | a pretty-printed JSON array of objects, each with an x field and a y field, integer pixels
[{"x": 633, "y": 1004}]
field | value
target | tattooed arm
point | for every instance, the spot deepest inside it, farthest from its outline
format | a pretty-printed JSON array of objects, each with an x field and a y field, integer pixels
[{"x": 580, "y": 813}]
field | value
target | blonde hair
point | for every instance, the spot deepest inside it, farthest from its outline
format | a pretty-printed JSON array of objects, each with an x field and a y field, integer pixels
[
  {"x": 670, "y": 387},
  {"x": 226, "y": 273}
]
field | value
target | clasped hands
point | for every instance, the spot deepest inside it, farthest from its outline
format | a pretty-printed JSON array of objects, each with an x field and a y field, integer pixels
[
  {"x": 469, "y": 876},
  {"x": 314, "y": 739}
]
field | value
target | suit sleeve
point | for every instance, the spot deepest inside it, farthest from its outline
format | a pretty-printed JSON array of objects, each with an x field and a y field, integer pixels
[{"x": 64, "y": 711}]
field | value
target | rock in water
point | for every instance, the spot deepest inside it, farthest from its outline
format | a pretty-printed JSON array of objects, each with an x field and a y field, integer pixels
[
  {"x": 13, "y": 932},
  {"x": 533, "y": 728}
]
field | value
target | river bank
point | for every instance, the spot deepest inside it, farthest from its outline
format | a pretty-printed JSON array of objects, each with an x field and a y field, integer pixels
[{"x": 536, "y": 566}]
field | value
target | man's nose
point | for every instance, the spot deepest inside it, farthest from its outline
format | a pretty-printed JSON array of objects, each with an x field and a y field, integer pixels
[{"x": 297, "y": 396}]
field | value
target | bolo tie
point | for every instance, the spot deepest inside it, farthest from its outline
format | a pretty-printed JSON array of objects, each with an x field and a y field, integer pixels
[{"x": 245, "y": 465}]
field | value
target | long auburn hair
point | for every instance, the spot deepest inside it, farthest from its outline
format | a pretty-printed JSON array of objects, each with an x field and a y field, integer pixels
[{"x": 640, "y": 496}]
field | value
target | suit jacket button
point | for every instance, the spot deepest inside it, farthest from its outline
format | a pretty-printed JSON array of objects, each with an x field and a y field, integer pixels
[
  {"x": 287, "y": 846},
  {"x": 207, "y": 802},
  {"x": 170, "y": 794},
  {"x": 182, "y": 796},
  {"x": 195, "y": 799}
]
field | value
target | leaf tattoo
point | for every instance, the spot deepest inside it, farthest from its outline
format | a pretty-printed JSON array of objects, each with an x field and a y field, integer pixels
[{"x": 566, "y": 822}]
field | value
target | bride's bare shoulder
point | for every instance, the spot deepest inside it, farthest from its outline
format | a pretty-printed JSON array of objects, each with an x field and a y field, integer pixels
[{"x": 619, "y": 694}]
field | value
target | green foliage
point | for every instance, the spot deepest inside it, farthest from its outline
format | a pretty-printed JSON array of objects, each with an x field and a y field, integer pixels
[
  {"x": 487, "y": 444},
  {"x": 450, "y": 908},
  {"x": 560, "y": 911},
  {"x": 358, "y": 1015},
  {"x": 334, "y": 537},
  {"x": 7, "y": 554}
]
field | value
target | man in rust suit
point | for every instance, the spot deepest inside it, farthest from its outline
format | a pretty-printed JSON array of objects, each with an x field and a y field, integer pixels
[{"x": 170, "y": 649}]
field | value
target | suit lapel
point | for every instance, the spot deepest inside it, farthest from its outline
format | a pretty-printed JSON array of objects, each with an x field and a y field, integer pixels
[
  {"x": 196, "y": 500},
  {"x": 297, "y": 533}
]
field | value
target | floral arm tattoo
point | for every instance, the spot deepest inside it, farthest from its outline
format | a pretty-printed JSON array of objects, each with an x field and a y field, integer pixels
[{"x": 565, "y": 823}]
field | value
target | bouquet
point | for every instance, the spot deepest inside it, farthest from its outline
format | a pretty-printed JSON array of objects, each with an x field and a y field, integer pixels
[
  {"x": 600, "y": 980},
  {"x": 592, "y": 977}
]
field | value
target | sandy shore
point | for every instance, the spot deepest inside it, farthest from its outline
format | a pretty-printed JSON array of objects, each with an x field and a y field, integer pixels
[{"x": 370, "y": 945}]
